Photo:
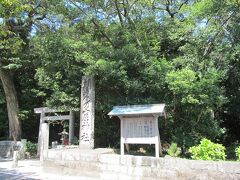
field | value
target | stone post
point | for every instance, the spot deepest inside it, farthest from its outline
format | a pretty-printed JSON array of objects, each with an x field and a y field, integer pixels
[
  {"x": 71, "y": 127},
  {"x": 86, "y": 137},
  {"x": 40, "y": 133},
  {"x": 44, "y": 139},
  {"x": 15, "y": 159},
  {"x": 23, "y": 148}
]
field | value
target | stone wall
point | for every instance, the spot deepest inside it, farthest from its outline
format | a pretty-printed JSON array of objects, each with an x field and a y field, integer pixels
[
  {"x": 104, "y": 164},
  {"x": 7, "y": 148}
]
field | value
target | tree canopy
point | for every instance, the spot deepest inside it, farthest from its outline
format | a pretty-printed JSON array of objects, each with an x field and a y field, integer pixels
[{"x": 184, "y": 53}]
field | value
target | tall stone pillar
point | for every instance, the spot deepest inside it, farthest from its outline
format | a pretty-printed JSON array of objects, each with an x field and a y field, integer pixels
[{"x": 87, "y": 112}]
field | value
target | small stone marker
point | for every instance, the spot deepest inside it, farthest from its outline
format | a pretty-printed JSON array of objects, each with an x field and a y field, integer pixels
[
  {"x": 15, "y": 159},
  {"x": 86, "y": 137},
  {"x": 23, "y": 148}
]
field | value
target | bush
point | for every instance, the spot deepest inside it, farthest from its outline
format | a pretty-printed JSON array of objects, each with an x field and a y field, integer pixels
[
  {"x": 231, "y": 151},
  {"x": 173, "y": 150},
  {"x": 208, "y": 150},
  {"x": 31, "y": 148},
  {"x": 75, "y": 141},
  {"x": 238, "y": 153}
]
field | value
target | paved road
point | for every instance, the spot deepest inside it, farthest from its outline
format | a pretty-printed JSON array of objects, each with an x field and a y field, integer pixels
[
  {"x": 13, "y": 174},
  {"x": 27, "y": 169},
  {"x": 30, "y": 170}
]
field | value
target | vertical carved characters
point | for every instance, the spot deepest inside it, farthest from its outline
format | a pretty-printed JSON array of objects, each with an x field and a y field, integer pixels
[{"x": 87, "y": 112}]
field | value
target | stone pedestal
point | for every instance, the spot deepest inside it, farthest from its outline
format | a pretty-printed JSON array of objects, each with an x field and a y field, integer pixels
[{"x": 86, "y": 137}]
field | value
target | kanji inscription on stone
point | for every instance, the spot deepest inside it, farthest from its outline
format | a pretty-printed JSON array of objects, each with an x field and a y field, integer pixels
[{"x": 87, "y": 112}]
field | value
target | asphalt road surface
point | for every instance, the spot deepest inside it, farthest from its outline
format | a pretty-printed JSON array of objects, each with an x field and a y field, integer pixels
[{"x": 30, "y": 170}]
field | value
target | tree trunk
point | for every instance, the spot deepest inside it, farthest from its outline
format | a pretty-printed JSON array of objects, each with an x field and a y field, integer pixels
[{"x": 12, "y": 104}]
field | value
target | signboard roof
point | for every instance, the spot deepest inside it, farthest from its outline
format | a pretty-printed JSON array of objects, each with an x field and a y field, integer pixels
[{"x": 137, "y": 110}]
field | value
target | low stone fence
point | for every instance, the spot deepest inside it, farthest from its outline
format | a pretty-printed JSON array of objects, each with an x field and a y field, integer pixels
[
  {"x": 7, "y": 148},
  {"x": 107, "y": 165}
]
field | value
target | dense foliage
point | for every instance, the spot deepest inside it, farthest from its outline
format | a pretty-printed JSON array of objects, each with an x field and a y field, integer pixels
[
  {"x": 31, "y": 148},
  {"x": 208, "y": 150},
  {"x": 238, "y": 153},
  {"x": 184, "y": 53},
  {"x": 174, "y": 150}
]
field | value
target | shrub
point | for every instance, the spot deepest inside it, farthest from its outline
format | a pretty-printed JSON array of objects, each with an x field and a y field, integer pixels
[
  {"x": 231, "y": 151},
  {"x": 238, "y": 153},
  {"x": 208, "y": 150},
  {"x": 31, "y": 148},
  {"x": 75, "y": 141},
  {"x": 173, "y": 150}
]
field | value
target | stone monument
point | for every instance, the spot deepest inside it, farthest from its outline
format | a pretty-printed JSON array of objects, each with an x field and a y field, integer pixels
[{"x": 86, "y": 137}]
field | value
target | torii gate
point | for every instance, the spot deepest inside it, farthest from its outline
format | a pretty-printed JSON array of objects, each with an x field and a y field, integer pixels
[{"x": 43, "y": 136}]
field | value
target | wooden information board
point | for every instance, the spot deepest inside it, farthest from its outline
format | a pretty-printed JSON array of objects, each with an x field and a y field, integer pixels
[{"x": 139, "y": 124}]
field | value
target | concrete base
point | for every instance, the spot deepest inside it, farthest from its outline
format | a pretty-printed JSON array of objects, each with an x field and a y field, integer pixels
[{"x": 104, "y": 164}]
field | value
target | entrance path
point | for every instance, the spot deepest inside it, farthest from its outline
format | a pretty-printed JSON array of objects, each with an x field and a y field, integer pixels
[{"x": 31, "y": 170}]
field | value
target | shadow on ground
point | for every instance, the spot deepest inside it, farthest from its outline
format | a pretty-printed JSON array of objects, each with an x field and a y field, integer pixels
[{"x": 7, "y": 174}]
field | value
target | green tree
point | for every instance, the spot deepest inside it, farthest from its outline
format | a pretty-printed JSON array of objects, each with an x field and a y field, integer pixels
[
  {"x": 183, "y": 53},
  {"x": 17, "y": 18}
]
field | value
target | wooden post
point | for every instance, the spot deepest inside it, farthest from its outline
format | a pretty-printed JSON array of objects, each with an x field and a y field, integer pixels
[
  {"x": 122, "y": 138},
  {"x": 158, "y": 147},
  {"x": 71, "y": 127},
  {"x": 127, "y": 147},
  {"x": 86, "y": 137}
]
